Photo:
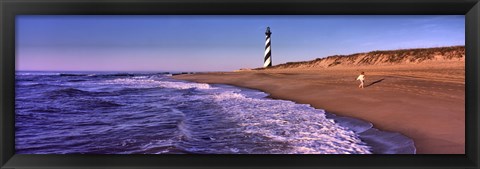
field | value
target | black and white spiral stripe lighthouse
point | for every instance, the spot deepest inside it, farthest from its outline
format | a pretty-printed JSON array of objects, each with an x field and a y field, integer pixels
[{"x": 267, "y": 61}]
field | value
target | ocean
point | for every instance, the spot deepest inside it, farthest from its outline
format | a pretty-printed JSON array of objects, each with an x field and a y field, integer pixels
[{"x": 151, "y": 113}]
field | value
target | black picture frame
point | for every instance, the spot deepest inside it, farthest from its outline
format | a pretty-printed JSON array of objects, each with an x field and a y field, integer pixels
[{"x": 11, "y": 8}]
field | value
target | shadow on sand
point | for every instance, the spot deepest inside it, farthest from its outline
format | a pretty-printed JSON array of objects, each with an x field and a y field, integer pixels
[{"x": 375, "y": 82}]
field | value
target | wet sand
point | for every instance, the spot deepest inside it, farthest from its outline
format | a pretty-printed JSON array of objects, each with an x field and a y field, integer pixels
[{"x": 423, "y": 102}]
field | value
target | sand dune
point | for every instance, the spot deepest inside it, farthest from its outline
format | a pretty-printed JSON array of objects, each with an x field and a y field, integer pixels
[{"x": 440, "y": 55}]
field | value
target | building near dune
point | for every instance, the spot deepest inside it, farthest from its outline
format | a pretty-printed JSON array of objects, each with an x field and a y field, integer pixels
[{"x": 267, "y": 60}]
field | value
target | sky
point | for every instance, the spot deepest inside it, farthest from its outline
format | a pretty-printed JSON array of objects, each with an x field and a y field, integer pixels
[{"x": 216, "y": 43}]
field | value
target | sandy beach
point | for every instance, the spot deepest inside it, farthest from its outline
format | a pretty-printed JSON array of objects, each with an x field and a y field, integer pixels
[{"x": 424, "y": 102}]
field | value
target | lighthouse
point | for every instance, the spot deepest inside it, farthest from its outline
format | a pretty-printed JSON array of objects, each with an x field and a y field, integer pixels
[{"x": 267, "y": 61}]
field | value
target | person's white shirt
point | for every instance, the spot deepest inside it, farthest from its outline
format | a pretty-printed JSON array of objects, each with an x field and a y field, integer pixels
[{"x": 361, "y": 77}]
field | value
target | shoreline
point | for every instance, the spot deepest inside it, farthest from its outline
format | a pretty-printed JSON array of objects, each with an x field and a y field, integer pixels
[
  {"x": 425, "y": 104},
  {"x": 380, "y": 142}
]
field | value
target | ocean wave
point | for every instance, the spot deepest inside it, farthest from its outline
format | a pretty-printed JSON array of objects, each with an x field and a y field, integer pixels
[
  {"x": 305, "y": 127},
  {"x": 68, "y": 92},
  {"x": 28, "y": 83},
  {"x": 151, "y": 83},
  {"x": 35, "y": 74},
  {"x": 99, "y": 104},
  {"x": 73, "y": 92},
  {"x": 77, "y": 80},
  {"x": 68, "y": 74},
  {"x": 48, "y": 110},
  {"x": 98, "y": 75}
]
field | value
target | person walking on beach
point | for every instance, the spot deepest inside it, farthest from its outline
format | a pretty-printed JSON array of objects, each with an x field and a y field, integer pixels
[{"x": 361, "y": 77}]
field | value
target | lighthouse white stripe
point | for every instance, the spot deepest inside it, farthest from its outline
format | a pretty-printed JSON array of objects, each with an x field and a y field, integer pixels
[
  {"x": 267, "y": 50},
  {"x": 268, "y": 40},
  {"x": 267, "y": 62}
]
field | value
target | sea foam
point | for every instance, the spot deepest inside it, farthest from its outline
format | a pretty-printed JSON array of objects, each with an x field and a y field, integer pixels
[{"x": 305, "y": 128}]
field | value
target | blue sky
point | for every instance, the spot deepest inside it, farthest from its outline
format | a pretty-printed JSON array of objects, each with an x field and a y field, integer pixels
[{"x": 217, "y": 43}]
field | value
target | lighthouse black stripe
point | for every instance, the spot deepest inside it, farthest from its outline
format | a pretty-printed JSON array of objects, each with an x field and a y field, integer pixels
[
  {"x": 268, "y": 44},
  {"x": 267, "y": 56}
]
